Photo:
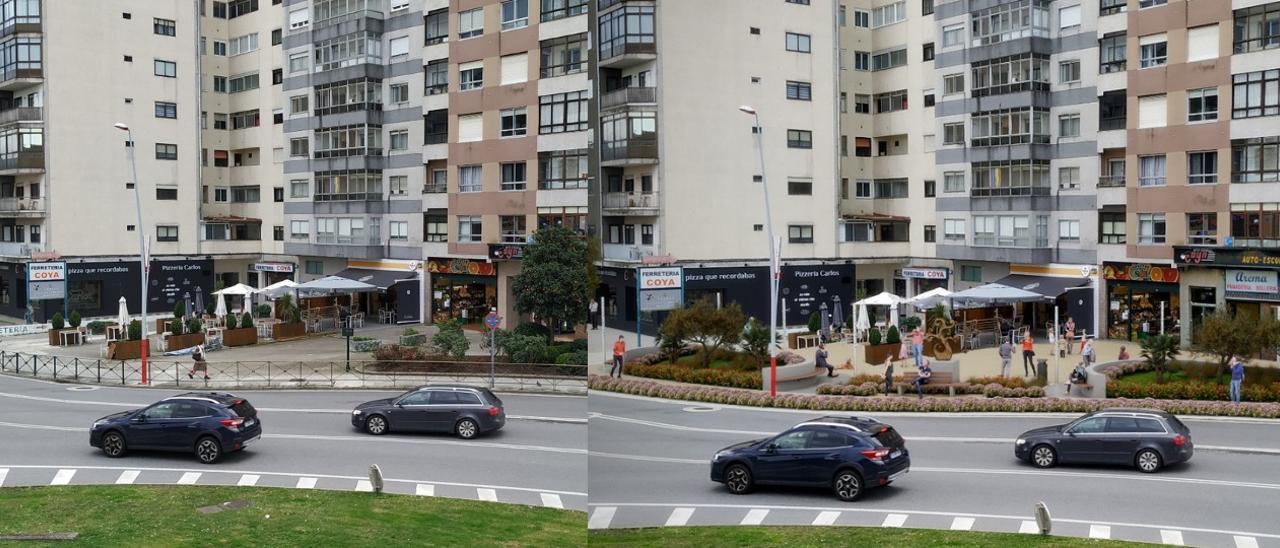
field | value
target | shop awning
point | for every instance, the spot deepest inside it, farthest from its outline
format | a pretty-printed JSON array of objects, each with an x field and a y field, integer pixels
[
  {"x": 1049, "y": 286},
  {"x": 380, "y": 278}
]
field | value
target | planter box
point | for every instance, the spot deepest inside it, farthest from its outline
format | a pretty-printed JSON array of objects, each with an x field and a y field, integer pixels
[
  {"x": 283, "y": 331},
  {"x": 55, "y": 336},
  {"x": 178, "y": 342},
  {"x": 162, "y": 325},
  {"x": 364, "y": 345},
  {"x": 125, "y": 350},
  {"x": 240, "y": 337},
  {"x": 875, "y": 354},
  {"x": 413, "y": 340}
]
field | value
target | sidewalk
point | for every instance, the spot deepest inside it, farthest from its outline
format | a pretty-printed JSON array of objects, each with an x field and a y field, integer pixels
[{"x": 600, "y": 350}]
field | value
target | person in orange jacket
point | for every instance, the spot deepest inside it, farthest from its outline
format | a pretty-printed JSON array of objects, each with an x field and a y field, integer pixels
[{"x": 619, "y": 348}]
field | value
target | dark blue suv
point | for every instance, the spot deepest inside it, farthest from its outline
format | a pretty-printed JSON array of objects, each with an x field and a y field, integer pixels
[
  {"x": 847, "y": 454},
  {"x": 209, "y": 424}
]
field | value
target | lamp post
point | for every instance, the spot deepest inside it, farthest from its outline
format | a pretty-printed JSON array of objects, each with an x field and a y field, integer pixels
[
  {"x": 142, "y": 244},
  {"x": 773, "y": 258}
]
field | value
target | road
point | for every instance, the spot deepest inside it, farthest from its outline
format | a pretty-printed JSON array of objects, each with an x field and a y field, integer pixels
[
  {"x": 539, "y": 458},
  {"x": 649, "y": 466}
]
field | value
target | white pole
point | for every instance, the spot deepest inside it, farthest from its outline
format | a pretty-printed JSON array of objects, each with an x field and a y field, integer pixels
[
  {"x": 773, "y": 258},
  {"x": 1057, "y": 356},
  {"x": 142, "y": 249},
  {"x": 717, "y": 301},
  {"x": 1162, "y": 317},
  {"x": 602, "y": 326}
]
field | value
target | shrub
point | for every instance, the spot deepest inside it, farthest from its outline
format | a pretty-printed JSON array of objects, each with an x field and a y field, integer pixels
[
  {"x": 909, "y": 323},
  {"x": 194, "y": 325},
  {"x": 97, "y": 327},
  {"x": 1200, "y": 391},
  {"x": 892, "y": 336},
  {"x": 365, "y": 344},
  {"x": 755, "y": 342},
  {"x": 450, "y": 340},
  {"x": 579, "y": 345},
  {"x": 787, "y": 357},
  {"x": 815, "y": 322},
  {"x": 527, "y": 329},
  {"x": 263, "y": 310},
  {"x": 179, "y": 309},
  {"x": 176, "y": 327},
  {"x": 409, "y": 332},
  {"x": 714, "y": 377},
  {"x": 135, "y": 330},
  {"x": 286, "y": 309},
  {"x": 396, "y": 352},
  {"x": 526, "y": 349},
  {"x": 873, "y": 337},
  {"x": 208, "y": 309},
  {"x": 74, "y": 320},
  {"x": 246, "y": 321},
  {"x": 577, "y": 357},
  {"x": 1007, "y": 382},
  {"x": 57, "y": 322},
  {"x": 230, "y": 321}
]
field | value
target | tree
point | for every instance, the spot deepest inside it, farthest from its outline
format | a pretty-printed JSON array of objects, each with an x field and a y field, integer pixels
[
  {"x": 708, "y": 326},
  {"x": 755, "y": 341},
  {"x": 672, "y": 335},
  {"x": 1224, "y": 336},
  {"x": 552, "y": 282},
  {"x": 1159, "y": 351}
]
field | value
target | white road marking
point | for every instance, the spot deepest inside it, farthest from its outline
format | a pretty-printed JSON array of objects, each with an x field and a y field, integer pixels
[
  {"x": 489, "y": 495},
  {"x": 306, "y": 483},
  {"x": 248, "y": 480},
  {"x": 128, "y": 477},
  {"x": 679, "y": 517},
  {"x": 1100, "y": 531},
  {"x": 426, "y": 490},
  {"x": 1029, "y": 527},
  {"x": 826, "y": 518},
  {"x": 648, "y": 459},
  {"x": 63, "y": 477},
  {"x": 894, "y": 520},
  {"x": 189, "y": 478},
  {"x": 961, "y": 524},
  {"x": 601, "y": 517},
  {"x": 4, "y": 473},
  {"x": 1245, "y": 541},
  {"x": 755, "y": 516},
  {"x": 551, "y": 500},
  {"x": 364, "y": 486},
  {"x": 1171, "y": 536}
]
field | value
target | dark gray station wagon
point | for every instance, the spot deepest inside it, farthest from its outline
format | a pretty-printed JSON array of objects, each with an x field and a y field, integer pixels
[
  {"x": 467, "y": 411},
  {"x": 1144, "y": 438}
]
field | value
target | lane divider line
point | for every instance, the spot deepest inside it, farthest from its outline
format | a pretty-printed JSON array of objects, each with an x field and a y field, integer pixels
[
  {"x": 128, "y": 477},
  {"x": 894, "y": 520},
  {"x": 63, "y": 477},
  {"x": 552, "y": 501},
  {"x": 424, "y": 490},
  {"x": 826, "y": 518},
  {"x": 189, "y": 478},
  {"x": 679, "y": 517},
  {"x": 1171, "y": 536},
  {"x": 4, "y": 473},
  {"x": 488, "y": 495},
  {"x": 755, "y": 516},
  {"x": 1100, "y": 532},
  {"x": 601, "y": 517},
  {"x": 306, "y": 483},
  {"x": 962, "y": 524},
  {"x": 248, "y": 480}
]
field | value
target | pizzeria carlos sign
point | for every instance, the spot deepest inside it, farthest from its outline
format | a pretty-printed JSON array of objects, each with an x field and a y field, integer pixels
[{"x": 1141, "y": 273}]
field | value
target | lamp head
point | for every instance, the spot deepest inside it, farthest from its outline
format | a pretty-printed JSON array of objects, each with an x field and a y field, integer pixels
[
  {"x": 122, "y": 126},
  {"x": 747, "y": 109}
]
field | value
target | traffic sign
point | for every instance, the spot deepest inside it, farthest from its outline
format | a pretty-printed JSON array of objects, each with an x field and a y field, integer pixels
[
  {"x": 492, "y": 320},
  {"x": 347, "y": 332}
]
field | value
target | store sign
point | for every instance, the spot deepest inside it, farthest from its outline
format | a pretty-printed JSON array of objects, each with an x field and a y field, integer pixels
[
  {"x": 1141, "y": 272},
  {"x": 506, "y": 252},
  {"x": 1226, "y": 256},
  {"x": 1253, "y": 281},
  {"x": 272, "y": 267},
  {"x": 657, "y": 259},
  {"x": 46, "y": 281},
  {"x": 925, "y": 273},
  {"x": 461, "y": 266},
  {"x": 660, "y": 299},
  {"x": 47, "y": 272},
  {"x": 661, "y": 278},
  {"x": 45, "y": 256}
]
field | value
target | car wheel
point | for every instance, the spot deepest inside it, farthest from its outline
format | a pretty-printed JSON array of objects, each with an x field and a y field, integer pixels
[
  {"x": 466, "y": 429},
  {"x": 376, "y": 425},
  {"x": 1043, "y": 456},
  {"x": 847, "y": 485},
  {"x": 738, "y": 479},
  {"x": 1148, "y": 461},
  {"x": 113, "y": 445},
  {"x": 208, "y": 450}
]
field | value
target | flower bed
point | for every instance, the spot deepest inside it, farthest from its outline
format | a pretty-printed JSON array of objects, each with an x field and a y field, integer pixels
[
  {"x": 754, "y": 398},
  {"x": 713, "y": 377},
  {"x": 1191, "y": 391},
  {"x": 990, "y": 390}
]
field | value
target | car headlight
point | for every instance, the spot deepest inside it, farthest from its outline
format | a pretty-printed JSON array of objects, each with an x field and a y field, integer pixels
[
  {"x": 356, "y": 412},
  {"x": 1021, "y": 441},
  {"x": 96, "y": 424},
  {"x": 720, "y": 455}
]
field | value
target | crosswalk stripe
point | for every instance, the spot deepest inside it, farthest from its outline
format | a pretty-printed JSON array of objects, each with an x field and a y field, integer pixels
[
  {"x": 364, "y": 485},
  {"x": 1171, "y": 537},
  {"x": 486, "y": 494},
  {"x": 425, "y": 490},
  {"x": 679, "y": 517},
  {"x": 248, "y": 480},
  {"x": 127, "y": 477},
  {"x": 189, "y": 478},
  {"x": 63, "y": 477},
  {"x": 1100, "y": 531},
  {"x": 894, "y": 520},
  {"x": 1029, "y": 527},
  {"x": 826, "y": 518},
  {"x": 601, "y": 517},
  {"x": 962, "y": 524},
  {"x": 552, "y": 500},
  {"x": 755, "y": 516},
  {"x": 1245, "y": 542},
  {"x": 4, "y": 473},
  {"x": 306, "y": 483}
]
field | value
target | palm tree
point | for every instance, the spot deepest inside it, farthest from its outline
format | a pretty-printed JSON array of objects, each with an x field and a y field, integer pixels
[{"x": 1159, "y": 351}]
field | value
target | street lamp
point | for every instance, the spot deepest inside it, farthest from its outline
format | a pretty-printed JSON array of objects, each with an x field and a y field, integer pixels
[
  {"x": 142, "y": 245},
  {"x": 773, "y": 258}
]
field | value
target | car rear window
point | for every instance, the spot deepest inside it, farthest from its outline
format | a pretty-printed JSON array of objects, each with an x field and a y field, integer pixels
[
  {"x": 242, "y": 409},
  {"x": 1178, "y": 424},
  {"x": 467, "y": 398},
  {"x": 1150, "y": 425},
  {"x": 888, "y": 437},
  {"x": 492, "y": 397},
  {"x": 823, "y": 439}
]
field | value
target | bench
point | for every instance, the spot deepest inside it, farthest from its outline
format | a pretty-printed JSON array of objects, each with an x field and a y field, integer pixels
[
  {"x": 938, "y": 377},
  {"x": 1081, "y": 383}
]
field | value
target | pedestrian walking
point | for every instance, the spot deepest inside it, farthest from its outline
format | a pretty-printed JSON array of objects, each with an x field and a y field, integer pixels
[
  {"x": 922, "y": 377},
  {"x": 1028, "y": 355},
  {"x": 595, "y": 315},
  {"x": 888, "y": 374},
  {"x": 1086, "y": 352},
  {"x": 917, "y": 344},
  {"x": 619, "y": 348},
  {"x": 821, "y": 356},
  {"x": 1006, "y": 357},
  {"x": 904, "y": 351},
  {"x": 1070, "y": 330},
  {"x": 200, "y": 366},
  {"x": 1237, "y": 378}
]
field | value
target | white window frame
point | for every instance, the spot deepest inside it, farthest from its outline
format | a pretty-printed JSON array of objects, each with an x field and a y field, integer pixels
[
  {"x": 1069, "y": 230},
  {"x": 471, "y": 23}
]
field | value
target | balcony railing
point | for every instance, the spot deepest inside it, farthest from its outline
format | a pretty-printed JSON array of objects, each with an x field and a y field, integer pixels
[
  {"x": 1112, "y": 66},
  {"x": 1111, "y": 181},
  {"x": 18, "y": 249},
  {"x": 22, "y": 160},
  {"x": 624, "y": 252},
  {"x": 1010, "y": 191},
  {"x": 339, "y": 239},
  {"x": 21, "y": 114},
  {"x": 624, "y": 200},
  {"x": 1106, "y": 124},
  {"x": 21, "y": 205},
  {"x": 629, "y": 150},
  {"x": 350, "y": 197},
  {"x": 343, "y": 152},
  {"x": 436, "y": 138},
  {"x": 984, "y": 240},
  {"x": 629, "y": 96},
  {"x": 435, "y": 188}
]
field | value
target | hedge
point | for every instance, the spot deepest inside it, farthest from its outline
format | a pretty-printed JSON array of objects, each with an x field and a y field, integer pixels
[
  {"x": 991, "y": 390},
  {"x": 714, "y": 377},
  {"x": 755, "y": 398},
  {"x": 1191, "y": 391}
]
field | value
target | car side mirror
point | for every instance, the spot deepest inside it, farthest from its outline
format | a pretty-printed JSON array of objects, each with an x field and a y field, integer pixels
[
  {"x": 1071, "y": 433},
  {"x": 138, "y": 419},
  {"x": 398, "y": 404},
  {"x": 771, "y": 448}
]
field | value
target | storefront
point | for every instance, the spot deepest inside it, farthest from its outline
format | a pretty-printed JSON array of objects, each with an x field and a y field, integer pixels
[
  {"x": 1142, "y": 299},
  {"x": 1242, "y": 281},
  {"x": 94, "y": 288},
  {"x": 1255, "y": 294},
  {"x": 464, "y": 289},
  {"x": 925, "y": 279},
  {"x": 399, "y": 289},
  {"x": 270, "y": 273}
]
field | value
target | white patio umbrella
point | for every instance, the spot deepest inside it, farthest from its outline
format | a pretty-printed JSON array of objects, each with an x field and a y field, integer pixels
[
  {"x": 862, "y": 323},
  {"x": 893, "y": 316},
  {"x": 123, "y": 316},
  {"x": 220, "y": 310},
  {"x": 883, "y": 299},
  {"x": 238, "y": 289},
  {"x": 930, "y": 298},
  {"x": 279, "y": 289}
]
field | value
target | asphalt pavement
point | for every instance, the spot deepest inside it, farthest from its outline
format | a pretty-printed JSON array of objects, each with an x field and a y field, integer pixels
[
  {"x": 538, "y": 458},
  {"x": 650, "y": 461}
]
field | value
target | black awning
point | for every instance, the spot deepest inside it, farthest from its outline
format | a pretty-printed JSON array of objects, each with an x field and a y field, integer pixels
[
  {"x": 380, "y": 278},
  {"x": 1049, "y": 286}
]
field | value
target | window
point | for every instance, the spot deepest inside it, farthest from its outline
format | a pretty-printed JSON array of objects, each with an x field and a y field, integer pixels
[
  {"x": 953, "y": 84},
  {"x": 277, "y": 36},
  {"x": 220, "y": 48},
  {"x": 861, "y": 19},
  {"x": 1202, "y": 104},
  {"x": 1010, "y": 231},
  {"x": 952, "y": 36},
  {"x": 953, "y": 134},
  {"x": 559, "y": 9},
  {"x": 1151, "y": 3},
  {"x": 1069, "y": 125},
  {"x": 798, "y": 42},
  {"x": 862, "y": 103},
  {"x": 1154, "y": 50},
  {"x": 399, "y": 139},
  {"x": 399, "y": 230},
  {"x": 930, "y": 189},
  {"x": 435, "y": 227},
  {"x": 469, "y": 178},
  {"x": 470, "y": 128},
  {"x": 298, "y": 18},
  {"x": 513, "y": 175},
  {"x": 1151, "y": 170},
  {"x": 1150, "y": 228},
  {"x": 1202, "y": 229},
  {"x": 799, "y": 187},
  {"x": 564, "y": 169},
  {"x": 166, "y": 194},
  {"x": 298, "y": 146},
  {"x": 970, "y": 273},
  {"x": 926, "y": 7},
  {"x": 245, "y": 194},
  {"x": 241, "y": 120},
  {"x": 1111, "y": 226},
  {"x": 244, "y": 82},
  {"x": 301, "y": 230},
  {"x": 163, "y": 27},
  {"x": 470, "y": 75},
  {"x": 1011, "y": 178},
  {"x": 930, "y": 234},
  {"x": 1010, "y": 126},
  {"x": 799, "y": 138},
  {"x": 861, "y": 60},
  {"x": 1069, "y": 230},
  {"x": 299, "y": 188},
  {"x": 1010, "y": 21},
  {"x": 1257, "y": 28},
  {"x": 1112, "y": 53},
  {"x": 436, "y": 77},
  {"x": 889, "y": 59},
  {"x": 1255, "y": 222},
  {"x": 891, "y": 101},
  {"x": 220, "y": 158},
  {"x": 888, "y": 15},
  {"x": 1256, "y": 93},
  {"x": 166, "y": 151},
  {"x": 166, "y": 110},
  {"x": 514, "y": 69},
  {"x": 561, "y": 112},
  {"x": 1153, "y": 111},
  {"x": 1202, "y": 43},
  {"x": 953, "y": 229},
  {"x": 953, "y": 181},
  {"x": 297, "y": 63},
  {"x": 891, "y": 188},
  {"x": 844, "y": 102},
  {"x": 1069, "y": 71},
  {"x": 1024, "y": 72},
  {"x": 799, "y": 91},
  {"x": 1069, "y": 17},
  {"x": 862, "y": 189},
  {"x": 1108, "y": 7},
  {"x": 348, "y": 50},
  {"x": 800, "y": 234},
  {"x": 315, "y": 267},
  {"x": 471, "y": 23},
  {"x": 469, "y": 228},
  {"x": 515, "y": 14},
  {"x": 513, "y": 122},
  {"x": 399, "y": 47},
  {"x": 166, "y": 233},
  {"x": 844, "y": 145},
  {"x": 437, "y": 26},
  {"x": 1068, "y": 178},
  {"x": 805, "y": 2},
  {"x": 1255, "y": 160},
  {"x": 243, "y": 44},
  {"x": 561, "y": 56},
  {"x": 168, "y": 69}
]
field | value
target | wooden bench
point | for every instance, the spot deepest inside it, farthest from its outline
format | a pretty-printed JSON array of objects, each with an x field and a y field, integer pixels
[
  {"x": 1083, "y": 384},
  {"x": 938, "y": 377}
]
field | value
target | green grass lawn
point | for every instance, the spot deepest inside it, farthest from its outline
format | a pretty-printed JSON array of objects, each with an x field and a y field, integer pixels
[
  {"x": 1181, "y": 371},
  {"x": 701, "y": 537},
  {"x": 145, "y": 516}
]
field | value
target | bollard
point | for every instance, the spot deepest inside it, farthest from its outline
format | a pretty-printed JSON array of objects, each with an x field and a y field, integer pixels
[
  {"x": 899, "y": 387},
  {"x": 951, "y": 390},
  {"x": 375, "y": 478},
  {"x": 1042, "y": 518}
]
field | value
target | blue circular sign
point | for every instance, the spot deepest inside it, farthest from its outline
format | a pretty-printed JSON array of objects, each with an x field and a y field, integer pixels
[{"x": 491, "y": 320}]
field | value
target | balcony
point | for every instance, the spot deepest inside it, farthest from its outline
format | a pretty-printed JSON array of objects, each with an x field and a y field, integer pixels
[
  {"x": 628, "y": 54},
  {"x": 991, "y": 192},
  {"x": 435, "y": 188},
  {"x": 22, "y": 75},
  {"x": 22, "y": 207},
  {"x": 18, "y": 249},
  {"x": 21, "y": 114},
  {"x": 625, "y": 252},
  {"x": 629, "y": 96},
  {"x": 22, "y": 162},
  {"x": 624, "y": 203},
  {"x": 1111, "y": 181},
  {"x": 629, "y": 152},
  {"x": 987, "y": 240},
  {"x": 349, "y": 197},
  {"x": 339, "y": 239}
]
